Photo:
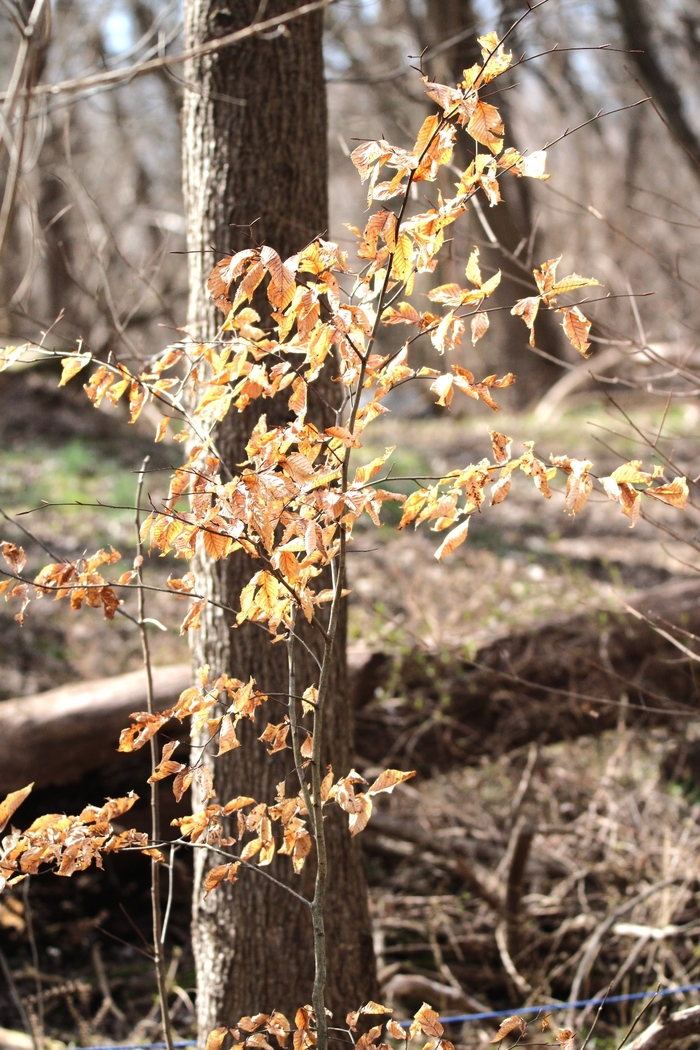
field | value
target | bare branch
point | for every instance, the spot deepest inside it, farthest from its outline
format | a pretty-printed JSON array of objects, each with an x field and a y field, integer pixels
[
  {"x": 668, "y": 1029},
  {"x": 120, "y": 76}
]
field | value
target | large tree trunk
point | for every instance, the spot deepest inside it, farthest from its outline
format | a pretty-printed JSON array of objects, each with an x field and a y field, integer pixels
[{"x": 255, "y": 151}]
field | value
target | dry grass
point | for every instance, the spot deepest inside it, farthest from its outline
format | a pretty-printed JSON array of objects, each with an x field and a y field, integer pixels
[{"x": 608, "y": 893}]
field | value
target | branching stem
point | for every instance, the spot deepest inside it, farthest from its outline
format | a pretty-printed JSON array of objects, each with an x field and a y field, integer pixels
[{"x": 158, "y": 955}]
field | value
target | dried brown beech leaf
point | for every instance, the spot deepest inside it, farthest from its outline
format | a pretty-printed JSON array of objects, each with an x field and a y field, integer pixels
[
  {"x": 351, "y": 1020},
  {"x": 501, "y": 447},
  {"x": 372, "y": 1007},
  {"x": 386, "y": 781},
  {"x": 508, "y": 1025},
  {"x": 359, "y": 818},
  {"x": 216, "y": 1038},
  {"x": 145, "y": 726},
  {"x": 674, "y": 494},
  {"x": 12, "y": 802},
  {"x": 565, "y": 1039},
  {"x": 429, "y": 1022},
  {"x": 14, "y": 556},
  {"x": 279, "y": 1026},
  {"x": 250, "y": 1024},
  {"x": 577, "y": 327},
  {"x": 222, "y": 872},
  {"x": 454, "y": 539},
  {"x": 72, "y": 365},
  {"x": 154, "y": 854},
  {"x": 479, "y": 326},
  {"x": 166, "y": 767},
  {"x": 182, "y": 782}
]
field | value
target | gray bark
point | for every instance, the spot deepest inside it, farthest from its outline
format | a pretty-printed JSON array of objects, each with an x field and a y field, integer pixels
[{"x": 255, "y": 152}]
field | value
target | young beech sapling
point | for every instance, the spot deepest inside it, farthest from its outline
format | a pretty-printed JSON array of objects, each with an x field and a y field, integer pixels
[{"x": 292, "y": 506}]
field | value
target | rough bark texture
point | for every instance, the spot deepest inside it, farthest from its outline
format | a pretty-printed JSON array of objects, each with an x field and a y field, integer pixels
[{"x": 255, "y": 152}]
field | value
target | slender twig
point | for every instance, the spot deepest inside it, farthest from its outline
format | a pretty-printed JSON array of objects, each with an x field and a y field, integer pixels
[
  {"x": 108, "y": 1003},
  {"x": 28, "y": 916},
  {"x": 595, "y": 1019},
  {"x": 601, "y": 113},
  {"x": 318, "y": 903},
  {"x": 638, "y": 1018},
  {"x": 115, "y": 77},
  {"x": 15, "y": 996},
  {"x": 29, "y": 45},
  {"x": 294, "y": 722},
  {"x": 688, "y": 712},
  {"x": 158, "y": 957},
  {"x": 590, "y": 947},
  {"x": 245, "y": 863},
  {"x": 166, "y": 917},
  {"x": 695, "y": 657},
  {"x": 649, "y": 444}
]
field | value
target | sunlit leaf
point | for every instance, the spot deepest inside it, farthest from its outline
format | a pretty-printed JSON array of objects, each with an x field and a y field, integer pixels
[{"x": 12, "y": 802}]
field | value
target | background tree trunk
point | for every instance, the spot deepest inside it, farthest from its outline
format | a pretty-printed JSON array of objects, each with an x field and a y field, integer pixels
[
  {"x": 639, "y": 35},
  {"x": 511, "y": 223},
  {"x": 255, "y": 151}
]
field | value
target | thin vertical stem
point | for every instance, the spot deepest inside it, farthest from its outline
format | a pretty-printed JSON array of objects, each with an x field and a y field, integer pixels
[
  {"x": 294, "y": 722},
  {"x": 15, "y": 996},
  {"x": 171, "y": 885},
  {"x": 338, "y": 578},
  {"x": 35, "y": 962},
  {"x": 314, "y": 805},
  {"x": 158, "y": 955},
  {"x": 319, "y": 900}
]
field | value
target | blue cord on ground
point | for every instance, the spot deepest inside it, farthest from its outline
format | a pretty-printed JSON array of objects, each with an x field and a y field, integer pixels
[{"x": 487, "y": 1016}]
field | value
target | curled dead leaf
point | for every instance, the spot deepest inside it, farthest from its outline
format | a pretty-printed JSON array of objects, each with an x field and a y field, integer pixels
[
  {"x": 508, "y": 1025},
  {"x": 12, "y": 802},
  {"x": 372, "y": 1007},
  {"x": 565, "y": 1039},
  {"x": 454, "y": 539},
  {"x": 674, "y": 494},
  {"x": 154, "y": 854},
  {"x": 14, "y": 556},
  {"x": 387, "y": 781}
]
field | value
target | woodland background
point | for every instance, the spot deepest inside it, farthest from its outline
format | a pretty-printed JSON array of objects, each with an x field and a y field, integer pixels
[{"x": 540, "y": 802}]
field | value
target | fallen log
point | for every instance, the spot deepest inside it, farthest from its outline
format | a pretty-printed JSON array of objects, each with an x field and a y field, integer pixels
[
  {"x": 57, "y": 737},
  {"x": 555, "y": 681}
]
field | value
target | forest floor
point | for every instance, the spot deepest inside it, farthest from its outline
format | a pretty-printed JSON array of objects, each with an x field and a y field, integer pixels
[
  {"x": 610, "y": 817},
  {"x": 525, "y": 561}
]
